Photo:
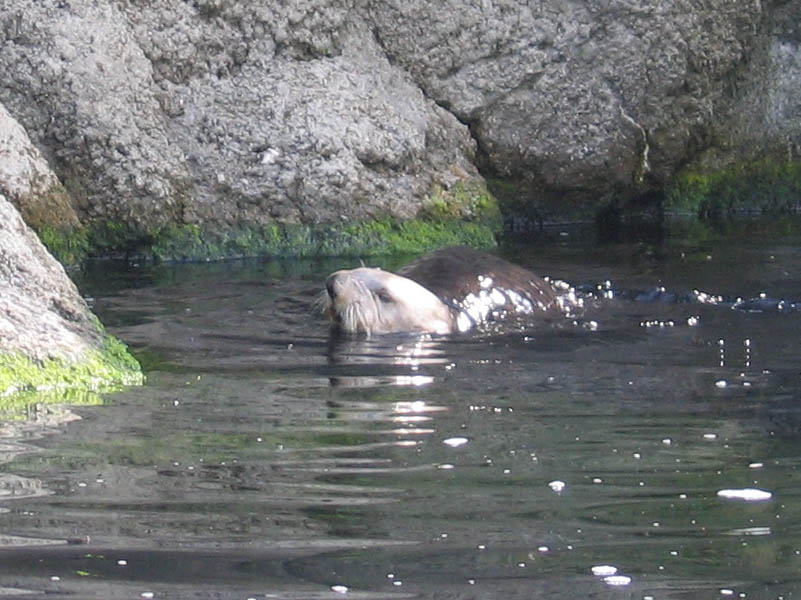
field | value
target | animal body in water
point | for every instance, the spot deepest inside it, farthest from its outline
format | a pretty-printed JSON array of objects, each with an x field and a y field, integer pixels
[{"x": 447, "y": 291}]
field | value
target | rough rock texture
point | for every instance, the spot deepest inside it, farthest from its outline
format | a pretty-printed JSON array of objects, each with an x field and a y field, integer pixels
[
  {"x": 328, "y": 140},
  {"x": 316, "y": 111},
  {"x": 581, "y": 99},
  {"x": 28, "y": 181},
  {"x": 76, "y": 79},
  {"x": 42, "y": 315},
  {"x": 226, "y": 113}
]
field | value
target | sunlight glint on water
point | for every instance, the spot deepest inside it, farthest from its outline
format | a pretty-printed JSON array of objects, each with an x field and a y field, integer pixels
[{"x": 642, "y": 448}]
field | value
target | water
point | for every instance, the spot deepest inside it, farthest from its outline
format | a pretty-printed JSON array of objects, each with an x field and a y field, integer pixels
[{"x": 570, "y": 460}]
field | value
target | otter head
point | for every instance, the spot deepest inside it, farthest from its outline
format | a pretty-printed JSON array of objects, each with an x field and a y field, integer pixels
[{"x": 371, "y": 301}]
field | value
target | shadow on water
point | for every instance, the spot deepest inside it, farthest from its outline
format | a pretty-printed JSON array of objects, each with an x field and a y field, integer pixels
[{"x": 580, "y": 458}]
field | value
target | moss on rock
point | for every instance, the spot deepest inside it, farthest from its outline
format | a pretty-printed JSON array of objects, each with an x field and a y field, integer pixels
[
  {"x": 103, "y": 369},
  {"x": 198, "y": 243},
  {"x": 467, "y": 200},
  {"x": 69, "y": 245},
  {"x": 382, "y": 236},
  {"x": 764, "y": 186}
]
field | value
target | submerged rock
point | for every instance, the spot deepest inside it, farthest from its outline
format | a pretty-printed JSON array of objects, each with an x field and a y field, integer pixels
[{"x": 48, "y": 336}]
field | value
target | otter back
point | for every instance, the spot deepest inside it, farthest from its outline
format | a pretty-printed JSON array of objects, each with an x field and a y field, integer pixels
[{"x": 481, "y": 287}]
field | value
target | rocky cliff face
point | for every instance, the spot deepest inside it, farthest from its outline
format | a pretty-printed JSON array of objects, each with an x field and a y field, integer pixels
[
  {"x": 227, "y": 113},
  {"x": 579, "y": 99}
]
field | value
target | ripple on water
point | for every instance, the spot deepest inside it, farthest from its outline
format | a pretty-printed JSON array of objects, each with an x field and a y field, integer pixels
[{"x": 582, "y": 458}]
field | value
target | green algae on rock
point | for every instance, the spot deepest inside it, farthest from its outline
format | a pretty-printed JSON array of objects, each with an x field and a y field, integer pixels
[
  {"x": 762, "y": 186},
  {"x": 100, "y": 370},
  {"x": 49, "y": 339},
  {"x": 381, "y": 236}
]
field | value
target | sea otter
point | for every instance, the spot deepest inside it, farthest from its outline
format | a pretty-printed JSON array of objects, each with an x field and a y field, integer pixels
[{"x": 450, "y": 290}]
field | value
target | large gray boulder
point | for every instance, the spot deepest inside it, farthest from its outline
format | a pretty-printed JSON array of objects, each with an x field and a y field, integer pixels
[
  {"x": 76, "y": 79},
  {"x": 225, "y": 113},
  {"x": 42, "y": 315},
  {"x": 229, "y": 113},
  {"x": 581, "y": 99},
  {"x": 48, "y": 336}
]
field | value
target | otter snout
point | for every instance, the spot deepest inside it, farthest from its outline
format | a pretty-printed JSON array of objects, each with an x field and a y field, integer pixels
[
  {"x": 367, "y": 300},
  {"x": 342, "y": 286},
  {"x": 330, "y": 285}
]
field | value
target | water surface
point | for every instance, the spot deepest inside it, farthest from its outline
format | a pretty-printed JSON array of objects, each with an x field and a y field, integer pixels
[{"x": 582, "y": 458}]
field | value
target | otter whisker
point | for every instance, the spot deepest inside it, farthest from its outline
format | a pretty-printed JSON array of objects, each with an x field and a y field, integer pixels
[
  {"x": 323, "y": 302},
  {"x": 353, "y": 319}
]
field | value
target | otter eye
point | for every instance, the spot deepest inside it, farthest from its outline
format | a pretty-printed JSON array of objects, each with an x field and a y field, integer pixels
[{"x": 384, "y": 296}]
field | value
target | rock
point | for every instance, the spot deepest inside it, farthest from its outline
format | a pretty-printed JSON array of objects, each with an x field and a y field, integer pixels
[
  {"x": 335, "y": 139},
  {"x": 28, "y": 181},
  {"x": 83, "y": 89},
  {"x": 48, "y": 335},
  {"x": 225, "y": 114},
  {"x": 581, "y": 100}
]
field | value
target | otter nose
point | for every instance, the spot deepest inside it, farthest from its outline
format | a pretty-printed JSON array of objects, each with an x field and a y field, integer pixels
[{"x": 330, "y": 285}]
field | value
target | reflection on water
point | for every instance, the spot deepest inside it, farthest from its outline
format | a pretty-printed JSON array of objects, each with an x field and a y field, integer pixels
[{"x": 637, "y": 449}]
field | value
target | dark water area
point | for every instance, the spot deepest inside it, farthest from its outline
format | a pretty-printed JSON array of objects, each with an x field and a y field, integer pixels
[{"x": 641, "y": 450}]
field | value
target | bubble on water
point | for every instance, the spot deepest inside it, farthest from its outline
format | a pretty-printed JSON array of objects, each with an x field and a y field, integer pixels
[
  {"x": 617, "y": 580},
  {"x": 750, "y": 531},
  {"x": 603, "y": 570},
  {"x": 747, "y": 494}
]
